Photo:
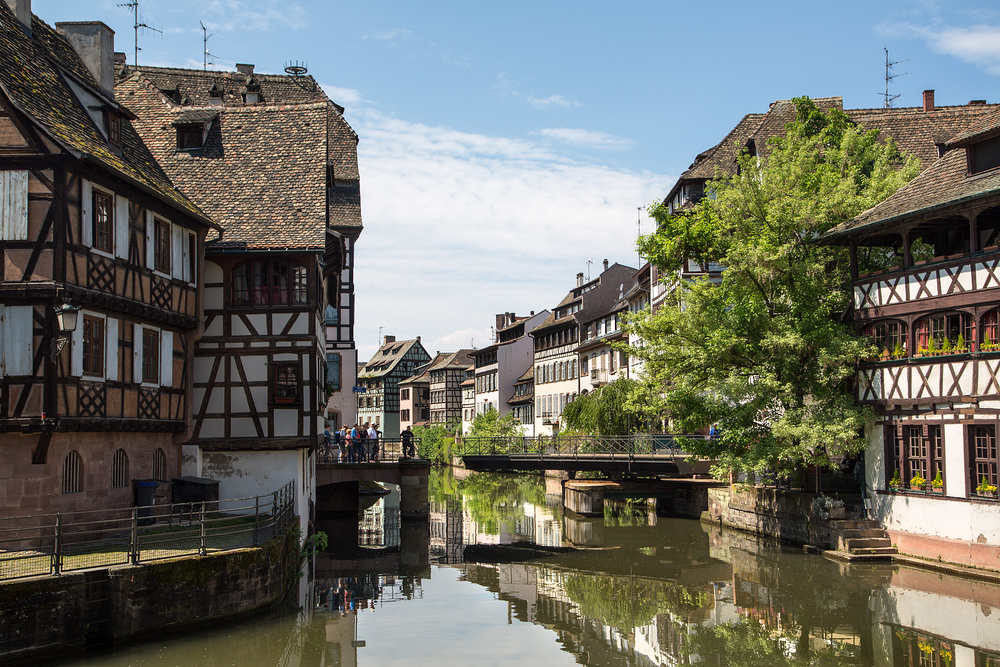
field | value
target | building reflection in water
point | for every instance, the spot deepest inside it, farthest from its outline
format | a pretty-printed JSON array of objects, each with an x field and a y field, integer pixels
[{"x": 632, "y": 588}]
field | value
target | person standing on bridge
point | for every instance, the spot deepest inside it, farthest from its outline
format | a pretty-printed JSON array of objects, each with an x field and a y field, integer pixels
[
  {"x": 407, "y": 437},
  {"x": 371, "y": 443}
]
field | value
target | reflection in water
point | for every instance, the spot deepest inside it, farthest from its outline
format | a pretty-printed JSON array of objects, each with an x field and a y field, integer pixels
[{"x": 500, "y": 575}]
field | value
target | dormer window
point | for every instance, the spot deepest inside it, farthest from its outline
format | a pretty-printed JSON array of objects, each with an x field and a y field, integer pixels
[
  {"x": 188, "y": 137},
  {"x": 252, "y": 94},
  {"x": 114, "y": 129},
  {"x": 215, "y": 94},
  {"x": 984, "y": 155},
  {"x": 192, "y": 128}
]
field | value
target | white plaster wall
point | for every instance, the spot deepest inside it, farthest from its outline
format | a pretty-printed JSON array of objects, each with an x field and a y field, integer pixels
[
  {"x": 965, "y": 622},
  {"x": 255, "y": 367},
  {"x": 214, "y": 299},
  {"x": 286, "y": 423},
  {"x": 190, "y": 461},
  {"x": 213, "y": 273},
  {"x": 926, "y": 515},
  {"x": 212, "y": 428}
]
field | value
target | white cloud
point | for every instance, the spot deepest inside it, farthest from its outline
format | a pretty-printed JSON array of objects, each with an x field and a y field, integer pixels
[
  {"x": 394, "y": 35},
  {"x": 550, "y": 101},
  {"x": 345, "y": 97},
  {"x": 505, "y": 86},
  {"x": 461, "y": 226},
  {"x": 263, "y": 15},
  {"x": 978, "y": 44},
  {"x": 585, "y": 138}
]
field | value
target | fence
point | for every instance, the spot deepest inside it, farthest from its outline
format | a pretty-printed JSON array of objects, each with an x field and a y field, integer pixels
[
  {"x": 613, "y": 447},
  {"x": 72, "y": 541},
  {"x": 389, "y": 450}
]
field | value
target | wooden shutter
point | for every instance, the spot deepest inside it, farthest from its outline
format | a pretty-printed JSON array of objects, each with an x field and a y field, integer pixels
[
  {"x": 86, "y": 219},
  {"x": 177, "y": 243},
  {"x": 111, "y": 362},
  {"x": 137, "y": 353},
  {"x": 14, "y": 205},
  {"x": 167, "y": 358},
  {"x": 16, "y": 340},
  {"x": 76, "y": 347},
  {"x": 150, "y": 239},
  {"x": 121, "y": 227}
]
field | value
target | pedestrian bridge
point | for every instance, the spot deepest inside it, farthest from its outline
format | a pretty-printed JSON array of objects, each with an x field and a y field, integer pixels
[
  {"x": 337, "y": 481},
  {"x": 637, "y": 455}
]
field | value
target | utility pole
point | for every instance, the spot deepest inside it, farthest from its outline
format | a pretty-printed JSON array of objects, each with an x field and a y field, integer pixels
[
  {"x": 889, "y": 76},
  {"x": 133, "y": 6},
  {"x": 638, "y": 229}
]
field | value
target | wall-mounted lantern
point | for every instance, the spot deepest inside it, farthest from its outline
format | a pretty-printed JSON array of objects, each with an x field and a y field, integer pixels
[{"x": 66, "y": 320}]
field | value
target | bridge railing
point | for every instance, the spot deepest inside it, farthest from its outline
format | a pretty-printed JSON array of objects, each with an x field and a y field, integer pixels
[
  {"x": 614, "y": 447},
  {"x": 388, "y": 450}
]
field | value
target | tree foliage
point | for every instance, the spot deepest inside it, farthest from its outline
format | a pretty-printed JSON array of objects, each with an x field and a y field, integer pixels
[
  {"x": 434, "y": 442},
  {"x": 604, "y": 411},
  {"x": 491, "y": 424},
  {"x": 763, "y": 352}
]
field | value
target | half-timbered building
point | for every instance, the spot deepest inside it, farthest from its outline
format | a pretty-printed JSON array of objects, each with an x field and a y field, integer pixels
[
  {"x": 415, "y": 400},
  {"x": 395, "y": 360},
  {"x": 273, "y": 160},
  {"x": 100, "y": 304},
  {"x": 932, "y": 458},
  {"x": 447, "y": 372}
]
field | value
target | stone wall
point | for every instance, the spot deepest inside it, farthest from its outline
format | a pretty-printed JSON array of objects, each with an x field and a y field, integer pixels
[
  {"x": 58, "y": 616},
  {"x": 777, "y": 513}
]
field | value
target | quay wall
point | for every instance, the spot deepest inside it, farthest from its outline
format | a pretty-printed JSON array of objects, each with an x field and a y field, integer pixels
[
  {"x": 777, "y": 513},
  {"x": 44, "y": 617}
]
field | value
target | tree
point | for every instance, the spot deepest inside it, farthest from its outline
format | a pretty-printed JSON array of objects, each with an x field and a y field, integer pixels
[
  {"x": 764, "y": 352},
  {"x": 491, "y": 424},
  {"x": 604, "y": 411}
]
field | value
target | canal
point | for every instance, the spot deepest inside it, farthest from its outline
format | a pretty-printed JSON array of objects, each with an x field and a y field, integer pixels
[{"x": 500, "y": 575}]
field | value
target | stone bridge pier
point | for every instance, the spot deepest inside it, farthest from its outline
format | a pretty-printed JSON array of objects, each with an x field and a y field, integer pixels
[{"x": 337, "y": 485}]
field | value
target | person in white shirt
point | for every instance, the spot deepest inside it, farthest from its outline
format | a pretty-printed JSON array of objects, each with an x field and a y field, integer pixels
[{"x": 371, "y": 443}]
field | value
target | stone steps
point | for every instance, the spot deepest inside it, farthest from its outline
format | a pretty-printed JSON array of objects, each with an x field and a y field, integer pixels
[{"x": 862, "y": 537}]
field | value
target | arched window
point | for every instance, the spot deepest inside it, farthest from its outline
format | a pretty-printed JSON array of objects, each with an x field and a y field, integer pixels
[
  {"x": 270, "y": 282},
  {"x": 945, "y": 332},
  {"x": 119, "y": 470},
  {"x": 991, "y": 332},
  {"x": 889, "y": 337},
  {"x": 159, "y": 465},
  {"x": 72, "y": 481}
]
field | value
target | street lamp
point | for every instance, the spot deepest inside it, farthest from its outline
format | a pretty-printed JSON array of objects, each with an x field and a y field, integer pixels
[{"x": 66, "y": 319}]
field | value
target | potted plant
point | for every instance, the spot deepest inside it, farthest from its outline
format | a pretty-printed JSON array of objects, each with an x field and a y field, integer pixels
[
  {"x": 985, "y": 489},
  {"x": 937, "y": 484},
  {"x": 932, "y": 347},
  {"x": 898, "y": 352},
  {"x": 896, "y": 481},
  {"x": 946, "y": 347},
  {"x": 825, "y": 507},
  {"x": 917, "y": 483}
]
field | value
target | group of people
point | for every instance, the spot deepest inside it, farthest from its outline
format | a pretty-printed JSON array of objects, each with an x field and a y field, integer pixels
[{"x": 353, "y": 444}]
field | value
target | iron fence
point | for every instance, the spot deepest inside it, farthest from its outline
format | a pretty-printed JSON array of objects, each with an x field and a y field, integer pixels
[
  {"x": 383, "y": 450},
  {"x": 576, "y": 446},
  {"x": 71, "y": 541}
]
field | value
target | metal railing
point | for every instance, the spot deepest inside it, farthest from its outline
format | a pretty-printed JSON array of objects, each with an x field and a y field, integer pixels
[
  {"x": 614, "y": 447},
  {"x": 71, "y": 541},
  {"x": 384, "y": 450}
]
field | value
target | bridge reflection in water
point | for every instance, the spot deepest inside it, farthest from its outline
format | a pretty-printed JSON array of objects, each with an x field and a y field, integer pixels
[{"x": 631, "y": 588}]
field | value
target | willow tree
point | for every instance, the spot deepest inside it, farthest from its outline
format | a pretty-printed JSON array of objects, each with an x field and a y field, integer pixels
[
  {"x": 604, "y": 411},
  {"x": 763, "y": 353}
]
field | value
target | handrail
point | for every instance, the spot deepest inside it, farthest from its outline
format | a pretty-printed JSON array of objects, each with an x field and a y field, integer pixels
[
  {"x": 576, "y": 446},
  {"x": 52, "y": 544}
]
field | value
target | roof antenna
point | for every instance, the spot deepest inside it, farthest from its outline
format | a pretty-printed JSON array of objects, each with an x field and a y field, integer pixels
[
  {"x": 638, "y": 228},
  {"x": 889, "y": 76},
  {"x": 296, "y": 68},
  {"x": 380, "y": 335},
  {"x": 136, "y": 24},
  {"x": 206, "y": 55},
  {"x": 589, "y": 262}
]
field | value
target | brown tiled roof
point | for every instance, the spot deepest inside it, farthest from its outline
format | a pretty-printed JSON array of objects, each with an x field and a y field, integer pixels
[
  {"x": 722, "y": 157},
  {"x": 34, "y": 78},
  {"x": 942, "y": 185},
  {"x": 452, "y": 360},
  {"x": 989, "y": 124},
  {"x": 384, "y": 361},
  {"x": 266, "y": 168}
]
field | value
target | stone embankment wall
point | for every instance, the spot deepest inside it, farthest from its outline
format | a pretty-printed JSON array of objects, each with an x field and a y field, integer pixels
[
  {"x": 783, "y": 515},
  {"x": 57, "y": 616}
]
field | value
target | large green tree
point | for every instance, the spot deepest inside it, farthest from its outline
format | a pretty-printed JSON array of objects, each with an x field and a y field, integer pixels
[
  {"x": 604, "y": 411},
  {"x": 764, "y": 352}
]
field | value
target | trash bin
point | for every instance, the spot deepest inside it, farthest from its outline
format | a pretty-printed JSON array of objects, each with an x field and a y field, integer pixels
[{"x": 145, "y": 499}]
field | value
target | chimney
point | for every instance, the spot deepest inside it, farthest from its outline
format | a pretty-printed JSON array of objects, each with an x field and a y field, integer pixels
[
  {"x": 500, "y": 320},
  {"x": 22, "y": 11},
  {"x": 390, "y": 339},
  {"x": 977, "y": 103},
  {"x": 95, "y": 44},
  {"x": 605, "y": 265},
  {"x": 119, "y": 59},
  {"x": 579, "y": 279},
  {"x": 244, "y": 68},
  {"x": 928, "y": 100}
]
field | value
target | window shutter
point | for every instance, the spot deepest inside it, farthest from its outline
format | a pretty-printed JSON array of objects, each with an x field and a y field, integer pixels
[
  {"x": 150, "y": 241},
  {"x": 111, "y": 361},
  {"x": 86, "y": 221},
  {"x": 14, "y": 205},
  {"x": 121, "y": 227},
  {"x": 185, "y": 273},
  {"x": 137, "y": 353},
  {"x": 167, "y": 358},
  {"x": 16, "y": 340},
  {"x": 76, "y": 351},
  {"x": 176, "y": 251}
]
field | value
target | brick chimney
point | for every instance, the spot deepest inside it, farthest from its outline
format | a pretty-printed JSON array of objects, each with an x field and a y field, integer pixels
[
  {"x": 22, "y": 10},
  {"x": 243, "y": 68},
  {"x": 95, "y": 44},
  {"x": 605, "y": 265},
  {"x": 579, "y": 279},
  {"x": 928, "y": 100},
  {"x": 388, "y": 339}
]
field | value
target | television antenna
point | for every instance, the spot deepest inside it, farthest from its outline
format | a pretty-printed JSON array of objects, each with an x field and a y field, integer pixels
[
  {"x": 380, "y": 335},
  {"x": 889, "y": 76},
  {"x": 133, "y": 6},
  {"x": 589, "y": 262},
  {"x": 638, "y": 228},
  {"x": 206, "y": 55},
  {"x": 296, "y": 68}
]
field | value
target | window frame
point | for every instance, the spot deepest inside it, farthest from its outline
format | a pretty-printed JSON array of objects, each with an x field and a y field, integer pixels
[
  {"x": 270, "y": 282},
  {"x": 162, "y": 245},
  {"x": 286, "y": 383},
  {"x": 96, "y": 224},
  {"x": 151, "y": 362},
  {"x": 94, "y": 361},
  {"x": 983, "y": 455}
]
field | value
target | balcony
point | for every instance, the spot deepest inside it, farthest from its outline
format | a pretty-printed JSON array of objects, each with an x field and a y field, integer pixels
[{"x": 598, "y": 377}]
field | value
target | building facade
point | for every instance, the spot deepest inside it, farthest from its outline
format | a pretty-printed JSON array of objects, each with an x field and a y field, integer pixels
[{"x": 379, "y": 402}]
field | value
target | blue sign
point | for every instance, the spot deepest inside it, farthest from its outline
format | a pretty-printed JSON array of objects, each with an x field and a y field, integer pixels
[{"x": 359, "y": 390}]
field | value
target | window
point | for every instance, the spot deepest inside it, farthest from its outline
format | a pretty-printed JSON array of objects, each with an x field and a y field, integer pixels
[
  {"x": 889, "y": 337},
  {"x": 103, "y": 222},
  {"x": 159, "y": 465},
  {"x": 286, "y": 383},
  {"x": 945, "y": 331},
  {"x": 984, "y": 155},
  {"x": 72, "y": 479},
  {"x": 984, "y": 455},
  {"x": 404, "y": 415},
  {"x": 114, "y": 129},
  {"x": 161, "y": 245},
  {"x": 270, "y": 283},
  {"x": 119, "y": 470},
  {"x": 404, "y": 394},
  {"x": 93, "y": 345},
  {"x": 917, "y": 451},
  {"x": 333, "y": 369},
  {"x": 150, "y": 356},
  {"x": 189, "y": 136}
]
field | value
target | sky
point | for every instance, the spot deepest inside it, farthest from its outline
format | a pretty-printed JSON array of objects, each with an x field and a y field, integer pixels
[{"x": 506, "y": 147}]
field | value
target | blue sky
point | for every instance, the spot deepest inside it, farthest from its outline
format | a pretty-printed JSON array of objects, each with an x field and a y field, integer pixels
[{"x": 505, "y": 144}]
